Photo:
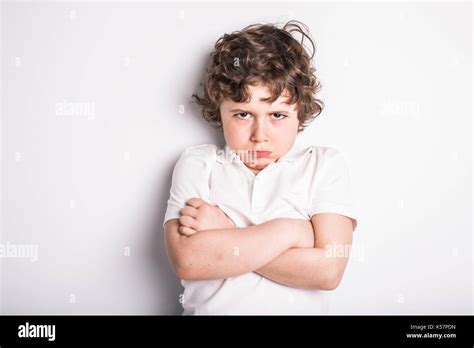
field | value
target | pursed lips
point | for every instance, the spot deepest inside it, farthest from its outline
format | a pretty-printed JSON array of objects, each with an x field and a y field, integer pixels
[{"x": 260, "y": 153}]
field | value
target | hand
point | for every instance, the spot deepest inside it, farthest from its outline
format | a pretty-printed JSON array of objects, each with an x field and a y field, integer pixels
[{"x": 198, "y": 215}]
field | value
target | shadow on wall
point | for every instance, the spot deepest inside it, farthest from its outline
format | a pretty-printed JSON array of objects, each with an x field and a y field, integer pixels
[{"x": 167, "y": 284}]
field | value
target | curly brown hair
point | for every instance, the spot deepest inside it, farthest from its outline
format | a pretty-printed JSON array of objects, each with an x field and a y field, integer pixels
[{"x": 262, "y": 53}]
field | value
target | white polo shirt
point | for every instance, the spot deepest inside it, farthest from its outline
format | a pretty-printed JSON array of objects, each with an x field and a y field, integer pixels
[{"x": 306, "y": 181}]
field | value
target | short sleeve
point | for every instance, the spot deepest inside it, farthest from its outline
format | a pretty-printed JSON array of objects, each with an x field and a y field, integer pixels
[
  {"x": 332, "y": 187},
  {"x": 190, "y": 179}
]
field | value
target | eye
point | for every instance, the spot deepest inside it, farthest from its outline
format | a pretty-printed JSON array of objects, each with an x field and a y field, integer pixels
[
  {"x": 280, "y": 116},
  {"x": 241, "y": 115}
]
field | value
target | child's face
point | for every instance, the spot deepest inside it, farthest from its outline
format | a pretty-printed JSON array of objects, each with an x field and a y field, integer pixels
[{"x": 259, "y": 125}]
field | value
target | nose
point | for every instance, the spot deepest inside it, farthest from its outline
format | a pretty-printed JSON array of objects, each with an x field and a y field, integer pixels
[{"x": 259, "y": 132}]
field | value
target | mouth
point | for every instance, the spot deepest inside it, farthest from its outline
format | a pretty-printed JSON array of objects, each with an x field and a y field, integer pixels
[{"x": 261, "y": 154}]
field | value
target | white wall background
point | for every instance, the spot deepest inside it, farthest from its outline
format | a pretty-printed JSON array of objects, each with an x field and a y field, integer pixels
[{"x": 89, "y": 188}]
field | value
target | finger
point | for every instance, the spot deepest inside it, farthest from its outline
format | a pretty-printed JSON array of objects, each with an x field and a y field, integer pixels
[
  {"x": 186, "y": 231},
  {"x": 188, "y": 221},
  {"x": 195, "y": 202},
  {"x": 190, "y": 211}
]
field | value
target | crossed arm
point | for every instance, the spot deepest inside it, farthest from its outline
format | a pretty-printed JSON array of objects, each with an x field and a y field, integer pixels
[
  {"x": 318, "y": 267},
  {"x": 202, "y": 245}
]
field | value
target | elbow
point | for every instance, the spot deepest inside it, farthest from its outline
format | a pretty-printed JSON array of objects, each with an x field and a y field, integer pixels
[
  {"x": 184, "y": 273},
  {"x": 180, "y": 271},
  {"x": 331, "y": 283},
  {"x": 190, "y": 273},
  {"x": 181, "y": 261},
  {"x": 332, "y": 280},
  {"x": 185, "y": 270},
  {"x": 180, "y": 267}
]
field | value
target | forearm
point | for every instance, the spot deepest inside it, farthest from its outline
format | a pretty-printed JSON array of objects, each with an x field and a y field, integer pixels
[
  {"x": 223, "y": 253},
  {"x": 307, "y": 268}
]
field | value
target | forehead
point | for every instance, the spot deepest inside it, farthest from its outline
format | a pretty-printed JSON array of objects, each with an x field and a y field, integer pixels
[
  {"x": 257, "y": 95},
  {"x": 260, "y": 92}
]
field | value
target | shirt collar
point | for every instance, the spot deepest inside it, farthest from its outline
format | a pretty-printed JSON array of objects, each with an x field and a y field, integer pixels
[{"x": 226, "y": 155}]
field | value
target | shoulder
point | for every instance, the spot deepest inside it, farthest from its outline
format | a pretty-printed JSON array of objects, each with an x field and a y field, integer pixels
[
  {"x": 324, "y": 151},
  {"x": 315, "y": 156},
  {"x": 204, "y": 151},
  {"x": 325, "y": 154},
  {"x": 327, "y": 160},
  {"x": 198, "y": 155}
]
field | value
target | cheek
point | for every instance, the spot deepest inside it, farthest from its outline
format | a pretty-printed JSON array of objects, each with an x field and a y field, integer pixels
[
  {"x": 285, "y": 134},
  {"x": 235, "y": 134},
  {"x": 285, "y": 129}
]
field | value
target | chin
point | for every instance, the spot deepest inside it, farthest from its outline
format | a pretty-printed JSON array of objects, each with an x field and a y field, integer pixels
[{"x": 260, "y": 164}]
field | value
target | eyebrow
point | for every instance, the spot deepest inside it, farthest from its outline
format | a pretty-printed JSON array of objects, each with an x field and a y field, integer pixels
[{"x": 273, "y": 112}]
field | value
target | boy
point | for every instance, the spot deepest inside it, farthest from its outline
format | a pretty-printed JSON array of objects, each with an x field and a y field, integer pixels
[{"x": 248, "y": 226}]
